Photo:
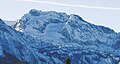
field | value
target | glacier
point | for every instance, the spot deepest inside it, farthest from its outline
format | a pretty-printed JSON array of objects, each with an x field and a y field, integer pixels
[{"x": 49, "y": 37}]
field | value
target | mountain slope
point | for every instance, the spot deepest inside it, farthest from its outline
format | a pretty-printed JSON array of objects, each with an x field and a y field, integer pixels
[
  {"x": 15, "y": 48},
  {"x": 13, "y": 44}
]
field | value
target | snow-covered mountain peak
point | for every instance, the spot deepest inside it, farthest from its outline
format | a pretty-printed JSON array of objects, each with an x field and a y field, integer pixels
[
  {"x": 49, "y": 14},
  {"x": 39, "y": 21},
  {"x": 34, "y": 12},
  {"x": 49, "y": 37},
  {"x": 46, "y": 23}
]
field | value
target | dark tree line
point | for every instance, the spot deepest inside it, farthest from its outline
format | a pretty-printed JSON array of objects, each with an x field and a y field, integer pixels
[{"x": 68, "y": 61}]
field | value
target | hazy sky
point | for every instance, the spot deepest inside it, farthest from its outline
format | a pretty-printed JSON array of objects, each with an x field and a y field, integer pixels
[{"x": 100, "y": 12}]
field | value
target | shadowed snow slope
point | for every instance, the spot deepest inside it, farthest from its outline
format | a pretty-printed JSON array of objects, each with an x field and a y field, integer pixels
[{"x": 49, "y": 37}]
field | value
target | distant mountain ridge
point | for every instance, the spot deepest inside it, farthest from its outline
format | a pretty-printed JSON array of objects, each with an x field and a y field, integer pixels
[{"x": 52, "y": 37}]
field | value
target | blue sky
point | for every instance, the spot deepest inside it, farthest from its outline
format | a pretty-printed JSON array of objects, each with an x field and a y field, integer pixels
[{"x": 100, "y": 12}]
